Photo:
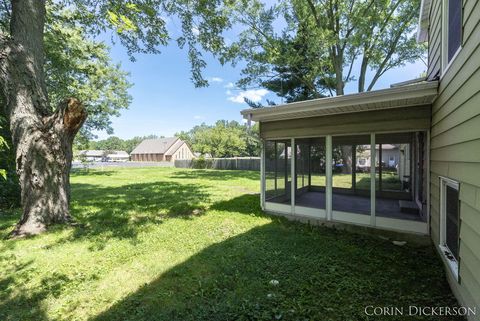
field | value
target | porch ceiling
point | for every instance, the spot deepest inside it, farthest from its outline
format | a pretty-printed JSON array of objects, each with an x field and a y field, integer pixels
[{"x": 419, "y": 94}]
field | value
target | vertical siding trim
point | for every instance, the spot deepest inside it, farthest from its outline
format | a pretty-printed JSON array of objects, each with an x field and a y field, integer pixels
[
  {"x": 329, "y": 182},
  {"x": 373, "y": 155}
]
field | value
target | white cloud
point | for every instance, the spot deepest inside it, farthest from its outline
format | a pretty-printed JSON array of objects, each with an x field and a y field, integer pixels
[
  {"x": 195, "y": 31},
  {"x": 254, "y": 95},
  {"x": 228, "y": 92},
  {"x": 216, "y": 79},
  {"x": 198, "y": 117},
  {"x": 230, "y": 85}
]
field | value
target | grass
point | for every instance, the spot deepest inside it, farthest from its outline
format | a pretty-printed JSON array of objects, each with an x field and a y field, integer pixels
[
  {"x": 390, "y": 181},
  {"x": 170, "y": 244}
]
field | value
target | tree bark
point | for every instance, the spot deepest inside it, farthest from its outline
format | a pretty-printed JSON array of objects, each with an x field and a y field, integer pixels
[
  {"x": 363, "y": 73},
  {"x": 42, "y": 139}
]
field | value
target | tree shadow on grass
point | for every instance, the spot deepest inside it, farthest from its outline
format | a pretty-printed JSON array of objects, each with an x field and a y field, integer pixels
[
  {"x": 215, "y": 174},
  {"x": 121, "y": 212},
  {"x": 322, "y": 274},
  {"x": 19, "y": 303}
]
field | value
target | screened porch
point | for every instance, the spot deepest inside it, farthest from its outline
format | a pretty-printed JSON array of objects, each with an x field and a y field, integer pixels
[
  {"x": 370, "y": 179},
  {"x": 358, "y": 159}
]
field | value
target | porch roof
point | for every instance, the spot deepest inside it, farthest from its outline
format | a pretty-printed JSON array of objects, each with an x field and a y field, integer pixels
[{"x": 418, "y": 94}]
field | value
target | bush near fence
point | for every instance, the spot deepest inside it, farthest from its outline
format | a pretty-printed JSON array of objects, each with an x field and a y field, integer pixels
[{"x": 234, "y": 163}]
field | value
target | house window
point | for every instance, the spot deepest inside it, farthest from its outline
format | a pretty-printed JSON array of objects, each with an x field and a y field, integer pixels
[
  {"x": 452, "y": 30},
  {"x": 450, "y": 222}
]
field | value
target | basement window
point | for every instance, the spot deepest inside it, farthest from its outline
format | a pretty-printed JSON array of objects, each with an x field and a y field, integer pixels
[{"x": 450, "y": 222}]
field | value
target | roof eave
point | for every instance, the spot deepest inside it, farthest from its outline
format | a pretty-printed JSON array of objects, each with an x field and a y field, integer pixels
[{"x": 336, "y": 105}]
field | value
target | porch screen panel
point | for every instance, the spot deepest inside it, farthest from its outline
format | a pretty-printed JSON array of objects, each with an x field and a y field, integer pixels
[
  {"x": 350, "y": 174},
  {"x": 361, "y": 160},
  {"x": 277, "y": 171},
  {"x": 310, "y": 172},
  {"x": 399, "y": 173}
]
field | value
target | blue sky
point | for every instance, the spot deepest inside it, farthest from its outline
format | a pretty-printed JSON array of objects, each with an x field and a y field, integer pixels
[{"x": 165, "y": 101}]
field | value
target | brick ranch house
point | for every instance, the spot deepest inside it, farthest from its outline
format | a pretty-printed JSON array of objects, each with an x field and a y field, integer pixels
[
  {"x": 309, "y": 169},
  {"x": 161, "y": 150}
]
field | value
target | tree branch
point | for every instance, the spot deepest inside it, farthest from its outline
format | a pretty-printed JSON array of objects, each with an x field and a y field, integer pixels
[{"x": 380, "y": 71}]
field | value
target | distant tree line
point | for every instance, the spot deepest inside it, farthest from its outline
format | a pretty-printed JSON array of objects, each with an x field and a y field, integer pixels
[
  {"x": 113, "y": 143},
  {"x": 223, "y": 139}
]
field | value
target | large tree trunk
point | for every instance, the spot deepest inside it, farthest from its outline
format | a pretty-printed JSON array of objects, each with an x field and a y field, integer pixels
[{"x": 42, "y": 138}]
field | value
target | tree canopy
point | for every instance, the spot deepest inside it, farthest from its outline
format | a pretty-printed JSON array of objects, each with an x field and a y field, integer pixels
[
  {"x": 77, "y": 65},
  {"x": 43, "y": 133},
  {"x": 224, "y": 139},
  {"x": 114, "y": 143},
  {"x": 323, "y": 44}
]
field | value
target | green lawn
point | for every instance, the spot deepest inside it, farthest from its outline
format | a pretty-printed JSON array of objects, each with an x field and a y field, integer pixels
[
  {"x": 390, "y": 181},
  {"x": 171, "y": 244}
]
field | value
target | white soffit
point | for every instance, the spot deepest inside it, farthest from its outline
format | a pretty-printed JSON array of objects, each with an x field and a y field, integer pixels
[{"x": 403, "y": 96}]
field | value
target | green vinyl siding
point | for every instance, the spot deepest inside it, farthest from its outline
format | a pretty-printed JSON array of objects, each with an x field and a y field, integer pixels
[
  {"x": 471, "y": 20},
  {"x": 455, "y": 143},
  {"x": 434, "y": 49}
]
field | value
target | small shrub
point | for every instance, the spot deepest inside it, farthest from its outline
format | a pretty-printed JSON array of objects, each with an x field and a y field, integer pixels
[{"x": 202, "y": 163}]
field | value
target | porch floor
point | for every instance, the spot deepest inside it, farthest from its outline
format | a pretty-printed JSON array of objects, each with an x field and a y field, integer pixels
[{"x": 357, "y": 204}]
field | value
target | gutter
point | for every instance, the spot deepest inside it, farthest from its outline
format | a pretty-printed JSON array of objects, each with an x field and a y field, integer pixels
[{"x": 410, "y": 91}]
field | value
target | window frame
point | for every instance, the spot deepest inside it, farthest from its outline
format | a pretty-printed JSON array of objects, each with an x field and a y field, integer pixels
[
  {"x": 446, "y": 252},
  {"x": 445, "y": 64}
]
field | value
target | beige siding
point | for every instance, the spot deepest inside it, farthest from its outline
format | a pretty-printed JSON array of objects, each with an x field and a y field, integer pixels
[
  {"x": 399, "y": 119},
  {"x": 455, "y": 143},
  {"x": 183, "y": 152}
]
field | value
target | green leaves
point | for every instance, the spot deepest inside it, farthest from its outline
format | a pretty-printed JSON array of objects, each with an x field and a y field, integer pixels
[
  {"x": 121, "y": 22},
  {"x": 304, "y": 49},
  {"x": 81, "y": 67},
  {"x": 141, "y": 26}
]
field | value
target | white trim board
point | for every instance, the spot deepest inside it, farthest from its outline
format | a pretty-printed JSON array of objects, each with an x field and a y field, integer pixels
[
  {"x": 279, "y": 208},
  {"x": 422, "y": 93},
  {"x": 310, "y": 212},
  {"x": 354, "y": 218},
  {"x": 444, "y": 250},
  {"x": 402, "y": 225}
]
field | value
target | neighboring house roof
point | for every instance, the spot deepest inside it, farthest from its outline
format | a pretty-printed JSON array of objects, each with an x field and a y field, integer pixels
[
  {"x": 424, "y": 21},
  {"x": 411, "y": 95},
  {"x": 155, "y": 146},
  {"x": 174, "y": 147},
  {"x": 177, "y": 145},
  {"x": 91, "y": 153}
]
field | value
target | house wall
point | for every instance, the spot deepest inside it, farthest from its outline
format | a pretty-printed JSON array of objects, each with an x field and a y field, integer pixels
[
  {"x": 184, "y": 152},
  {"x": 147, "y": 157},
  {"x": 434, "y": 40},
  {"x": 455, "y": 143},
  {"x": 387, "y": 153},
  {"x": 405, "y": 119}
]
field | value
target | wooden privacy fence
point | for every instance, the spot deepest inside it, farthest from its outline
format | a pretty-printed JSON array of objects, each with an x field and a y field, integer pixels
[{"x": 234, "y": 163}]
